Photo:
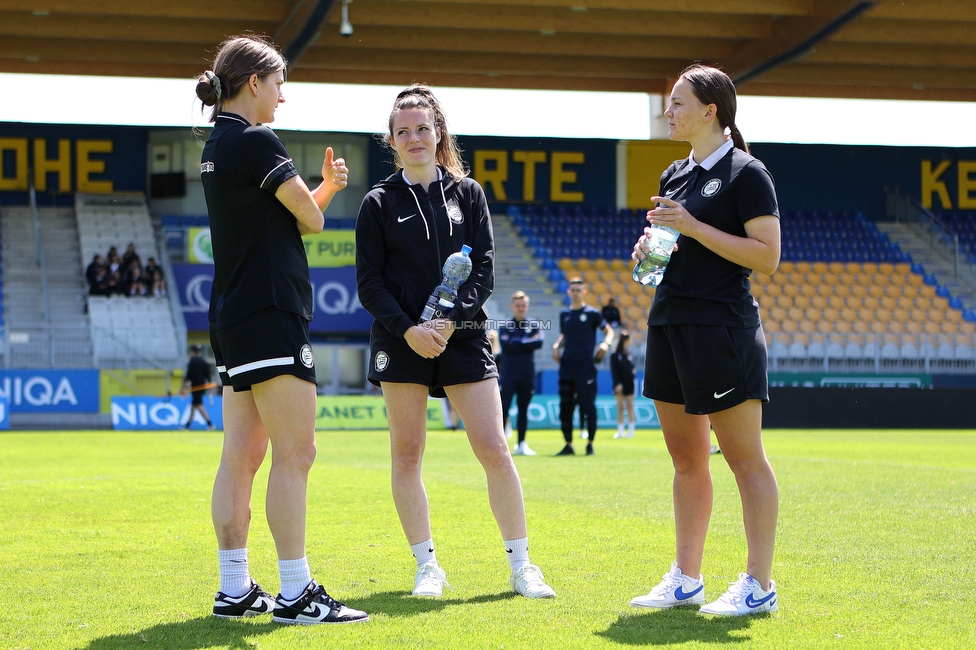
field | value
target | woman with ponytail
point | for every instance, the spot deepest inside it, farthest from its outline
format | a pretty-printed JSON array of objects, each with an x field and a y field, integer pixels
[
  {"x": 706, "y": 352},
  {"x": 260, "y": 306}
]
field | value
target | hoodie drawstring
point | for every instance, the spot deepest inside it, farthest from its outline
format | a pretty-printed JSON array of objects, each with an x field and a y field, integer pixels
[
  {"x": 450, "y": 222},
  {"x": 420, "y": 210}
]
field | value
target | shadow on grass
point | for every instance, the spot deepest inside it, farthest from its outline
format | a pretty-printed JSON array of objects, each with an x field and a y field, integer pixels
[
  {"x": 209, "y": 632},
  {"x": 398, "y": 604},
  {"x": 191, "y": 634},
  {"x": 678, "y": 625}
]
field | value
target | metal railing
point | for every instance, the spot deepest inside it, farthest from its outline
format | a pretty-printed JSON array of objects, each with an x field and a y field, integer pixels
[{"x": 939, "y": 235}]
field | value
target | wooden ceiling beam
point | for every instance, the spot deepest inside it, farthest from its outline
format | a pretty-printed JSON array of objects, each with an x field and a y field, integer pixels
[
  {"x": 477, "y": 40},
  {"x": 872, "y": 75},
  {"x": 891, "y": 54},
  {"x": 119, "y": 28},
  {"x": 919, "y": 32},
  {"x": 743, "y": 7},
  {"x": 947, "y": 10},
  {"x": 495, "y": 64},
  {"x": 416, "y": 13},
  {"x": 146, "y": 54},
  {"x": 192, "y": 10}
]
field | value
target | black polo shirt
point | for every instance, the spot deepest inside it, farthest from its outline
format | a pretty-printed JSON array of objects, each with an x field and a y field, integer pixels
[
  {"x": 259, "y": 257},
  {"x": 699, "y": 286}
]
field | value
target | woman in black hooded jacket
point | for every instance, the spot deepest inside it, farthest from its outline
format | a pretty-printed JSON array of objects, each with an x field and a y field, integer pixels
[{"x": 407, "y": 227}]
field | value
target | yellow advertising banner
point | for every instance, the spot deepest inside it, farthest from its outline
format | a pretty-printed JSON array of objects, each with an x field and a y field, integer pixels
[
  {"x": 198, "y": 247},
  {"x": 331, "y": 248},
  {"x": 345, "y": 412}
]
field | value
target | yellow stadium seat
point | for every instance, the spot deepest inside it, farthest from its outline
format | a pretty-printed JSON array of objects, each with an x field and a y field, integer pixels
[
  {"x": 608, "y": 275},
  {"x": 589, "y": 275},
  {"x": 878, "y": 327},
  {"x": 900, "y": 315},
  {"x": 870, "y": 302},
  {"x": 818, "y": 267},
  {"x": 953, "y": 315},
  {"x": 788, "y": 326},
  {"x": 887, "y": 302},
  {"x": 801, "y": 266},
  {"x": 625, "y": 300},
  {"x": 801, "y": 302},
  {"x": 842, "y": 327},
  {"x": 617, "y": 288},
  {"x": 950, "y": 326},
  {"x": 842, "y": 290},
  {"x": 902, "y": 268},
  {"x": 812, "y": 314},
  {"x": 853, "y": 267},
  {"x": 807, "y": 327},
  {"x": 818, "y": 302},
  {"x": 935, "y": 315},
  {"x": 831, "y": 314},
  {"x": 931, "y": 328},
  {"x": 836, "y": 302},
  {"x": 794, "y": 314},
  {"x": 600, "y": 264},
  {"x": 584, "y": 264},
  {"x": 861, "y": 327},
  {"x": 848, "y": 315},
  {"x": 911, "y": 327},
  {"x": 777, "y": 314},
  {"x": 876, "y": 290},
  {"x": 786, "y": 266},
  {"x": 825, "y": 326},
  {"x": 867, "y": 315},
  {"x": 771, "y": 326},
  {"x": 858, "y": 291},
  {"x": 790, "y": 290},
  {"x": 566, "y": 264},
  {"x": 773, "y": 289},
  {"x": 598, "y": 288},
  {"x": 915, "y": 279},
  {"x": 807, "y": 289}
]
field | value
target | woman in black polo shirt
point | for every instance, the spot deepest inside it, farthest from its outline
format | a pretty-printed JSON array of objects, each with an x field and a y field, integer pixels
[
  {"x": 706, "y": 352},
  {"x": 259, "y": 312}
]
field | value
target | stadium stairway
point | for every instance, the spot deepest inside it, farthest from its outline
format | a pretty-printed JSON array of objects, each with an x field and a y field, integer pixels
[
  {"x": 517, "y": 270},
  {"x": 23, "y": 287},
  {"x": 932, "y": 260}
]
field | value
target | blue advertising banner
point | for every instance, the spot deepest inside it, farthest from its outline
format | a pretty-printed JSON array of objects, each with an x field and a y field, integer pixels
[
  {"x": 336, "y": 302},
  {"x": 4, "y": 414},
  {"x": 49, "y": 391},
  {"x": 544, "y": 413},
  {"x": 163, "y": 413}
]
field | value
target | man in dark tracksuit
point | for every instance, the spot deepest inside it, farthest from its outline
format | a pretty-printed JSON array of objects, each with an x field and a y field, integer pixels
[
  {"x": 573, "y": 350},
  {"x": 519, "y": 339}
]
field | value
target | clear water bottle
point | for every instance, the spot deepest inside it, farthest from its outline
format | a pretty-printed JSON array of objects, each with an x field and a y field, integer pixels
[
  {"x": 457, "y": 268},
  {"x": 658, "y": 247}
]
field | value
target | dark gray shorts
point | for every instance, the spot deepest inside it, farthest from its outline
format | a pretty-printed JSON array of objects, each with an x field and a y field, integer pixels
[
  {"x": 464, "y": 361},
  {"x": 263, "y": 346},
  {"x": 708, "y": 368}
]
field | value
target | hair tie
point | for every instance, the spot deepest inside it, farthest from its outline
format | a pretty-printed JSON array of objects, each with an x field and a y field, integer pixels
[{"x": 214, "y": 81}]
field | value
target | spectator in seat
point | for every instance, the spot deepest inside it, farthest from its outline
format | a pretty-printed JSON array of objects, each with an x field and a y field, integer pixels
[
  {"x": 91, "y": 271},
  {"x": 611, "y": 314}
]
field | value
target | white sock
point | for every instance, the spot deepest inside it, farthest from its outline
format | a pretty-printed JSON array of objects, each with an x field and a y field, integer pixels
[
  {"x": 295, "y": 576},
  {"x": 517, "y": 551},
  {"x": 424, "y": 553},
  {"x": 632, "y": 428},
  {"x": 620, "y": 429},
  {"x": 235, "y": 577}
]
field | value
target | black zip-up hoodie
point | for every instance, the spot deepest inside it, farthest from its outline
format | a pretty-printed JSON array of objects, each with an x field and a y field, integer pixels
[{"x": 403, "y": 237}]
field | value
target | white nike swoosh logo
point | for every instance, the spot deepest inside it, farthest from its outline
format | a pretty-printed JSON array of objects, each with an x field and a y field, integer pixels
[
  {"x": 402, "y": 219},
  {"x": 717, "y": 395}
]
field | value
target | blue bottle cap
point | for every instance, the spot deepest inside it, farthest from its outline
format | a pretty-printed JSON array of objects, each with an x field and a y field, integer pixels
[{"x": 465, "y": 249}]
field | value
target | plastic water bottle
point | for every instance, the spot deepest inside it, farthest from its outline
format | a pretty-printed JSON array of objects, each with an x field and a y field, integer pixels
[
  {"x": 658, "y": 248},
  {"x": 457, "y": 268}
]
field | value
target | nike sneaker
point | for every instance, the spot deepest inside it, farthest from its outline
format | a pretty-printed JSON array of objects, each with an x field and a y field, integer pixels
[
  {"x": 567, "y": 451},
  {"x": 744, "y": 597},
  {"x": 430, "y": 581},
  {"x": 675, "y": 590},
  {"x": 522, "y": 449},
  {"x": 315, "y": 606},
  {"x": 529, "y": 582},
  {"x": 256, "y": 601}
]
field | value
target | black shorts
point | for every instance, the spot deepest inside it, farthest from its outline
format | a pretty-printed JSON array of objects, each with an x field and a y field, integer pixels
[
  {"x": 464, "y": 361},
  {"x": 265, "y": 345},
  {"x": 708, "y": 368},
  {"x": 627, "y": 387},
  {"x": 196, "y": 397}
]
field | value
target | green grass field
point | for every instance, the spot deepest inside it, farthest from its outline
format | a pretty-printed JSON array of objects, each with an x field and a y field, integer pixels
[{"x": 106, "y": 543}]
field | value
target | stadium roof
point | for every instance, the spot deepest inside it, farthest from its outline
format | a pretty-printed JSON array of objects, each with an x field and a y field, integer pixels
[{"x": 887, "y": 49}]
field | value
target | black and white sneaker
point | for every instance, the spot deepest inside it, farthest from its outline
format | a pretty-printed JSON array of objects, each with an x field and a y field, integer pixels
[
  {"x": 315, "y": 606},
  {"x": 255, "y": 602}
]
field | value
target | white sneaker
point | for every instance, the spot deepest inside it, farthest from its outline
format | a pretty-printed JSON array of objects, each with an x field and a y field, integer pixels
[
  {"x": 529, "y": 582},
  {"x": 630, "y": 432},
  {"x": 522, "y": 449},
  {"x": 619, "y": 434},
  {"x": 584, "y": 434},
  {"x": 430, "y": 581},
  {"x": 744, "y": 597},
  {"x": 675, "y": 590}
]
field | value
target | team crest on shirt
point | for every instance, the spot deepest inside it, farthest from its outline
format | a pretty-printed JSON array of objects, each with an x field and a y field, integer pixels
[
  {"x": 455, "y": 214},
  {"x": 712, "y": 187},
  {"x": 206, "y": 167},
  {"x": 582, "y": 318},
  {"x": 305, "y": 355},
  {"x": 381, "y": 361}
]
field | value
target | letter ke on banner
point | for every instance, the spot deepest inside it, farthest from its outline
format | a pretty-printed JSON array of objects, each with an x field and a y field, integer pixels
[
  {"x": 336, "y": 306},
  {"x": 162, "y": 413},
  {"x": 49, "y": 391}
]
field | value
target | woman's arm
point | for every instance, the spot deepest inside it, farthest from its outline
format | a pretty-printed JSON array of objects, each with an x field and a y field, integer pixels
[{"x": 308, "y": 205}]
